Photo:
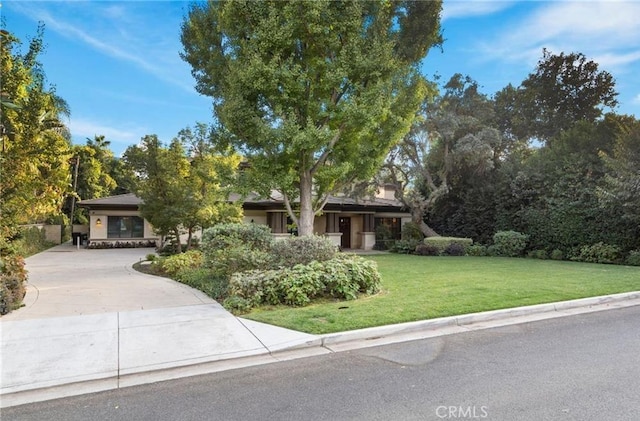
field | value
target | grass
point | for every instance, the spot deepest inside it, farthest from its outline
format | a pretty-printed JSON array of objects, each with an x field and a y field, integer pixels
[{"x": 419, "y": 288}]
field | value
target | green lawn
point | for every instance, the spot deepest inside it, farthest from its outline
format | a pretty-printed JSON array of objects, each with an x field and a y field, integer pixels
[{"x": 418, "y": 288}]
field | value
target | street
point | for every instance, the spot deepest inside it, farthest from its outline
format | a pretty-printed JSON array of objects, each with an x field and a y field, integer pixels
[{"x": 584, "y": 367}]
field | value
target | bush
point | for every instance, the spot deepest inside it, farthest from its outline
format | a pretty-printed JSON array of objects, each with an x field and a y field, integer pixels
[
  {"x": 237, "y": 305},
  {"x": 427, "y": 250},
  {"x": 411, "y": 231},
  {"x": 342, "y": 277},
  {"x": 205, "y": 280},
  {"x": 384, "y": 238},
  {"x": 302, "y": 250},
  {"x": 509, "y": 243},
  {"x": 599, "y": 253},
  {"x": 477, "y": 250},
  {"x": 633, "y": 259},
  {"x": 30, "y": 241},
  {"x": 231, "y": 248},
  {"x": 538, "y": 254},
  {"x": 441, "y": 243},
  {"x": 404, "y": 246},
  {"x": 223, "y": 236},
  {"x": 12, "y": 279},
  {"x": 173, "y": 264},
  {"x": 557, "y": 254},
  {"x": 455, "y": 249}
]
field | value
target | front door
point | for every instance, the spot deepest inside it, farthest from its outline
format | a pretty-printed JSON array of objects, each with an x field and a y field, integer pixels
[{"x": 345, "y": 229}]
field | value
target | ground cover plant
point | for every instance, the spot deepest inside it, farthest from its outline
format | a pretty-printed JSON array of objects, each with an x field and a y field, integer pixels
[{"x": 418, "y": 288}]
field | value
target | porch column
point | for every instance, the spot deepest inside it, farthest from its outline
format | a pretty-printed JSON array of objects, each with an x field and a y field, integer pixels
[{"x": 368, "y": 231}]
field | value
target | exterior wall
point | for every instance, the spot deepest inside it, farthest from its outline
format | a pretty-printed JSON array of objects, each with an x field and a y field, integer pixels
[
  {"x": 256, "y": 217},
  {"x": 53, "y": 233},
  {"x": 99, "y": 231},
  {"x": 320, "y": 225}
]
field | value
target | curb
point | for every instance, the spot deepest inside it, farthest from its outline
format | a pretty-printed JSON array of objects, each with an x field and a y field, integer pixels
[
  {"x": 331, "y": 343},
  {"x": 474, "y": 321}
]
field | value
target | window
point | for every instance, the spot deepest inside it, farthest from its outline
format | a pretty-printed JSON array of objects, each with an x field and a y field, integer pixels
[
  {"x": 388, "y": 228},
  {"x": 125, "y": 227}
]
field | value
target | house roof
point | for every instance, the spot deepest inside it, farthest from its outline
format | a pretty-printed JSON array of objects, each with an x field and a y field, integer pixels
[
  {"x": 120, "y": 201},
  {"x": 253, "y": 201}
]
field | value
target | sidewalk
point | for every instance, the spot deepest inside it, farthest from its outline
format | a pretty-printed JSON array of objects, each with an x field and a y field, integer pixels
[{"x": 108, "y": 345}]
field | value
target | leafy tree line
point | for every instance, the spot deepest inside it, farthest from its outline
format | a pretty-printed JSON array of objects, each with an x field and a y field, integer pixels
[{"x": 543, "y": 159}]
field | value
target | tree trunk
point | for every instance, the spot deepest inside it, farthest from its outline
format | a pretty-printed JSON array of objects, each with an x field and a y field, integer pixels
[
  {"x": 307, "y": 215},
  {"x": 178, "y": 244},
  {"x": 417, "y": 217}
]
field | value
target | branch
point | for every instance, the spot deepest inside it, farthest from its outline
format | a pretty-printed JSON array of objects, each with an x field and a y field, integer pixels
[
  {"x": 328, "y": 150},
  {"x": 287, "y": 204}
]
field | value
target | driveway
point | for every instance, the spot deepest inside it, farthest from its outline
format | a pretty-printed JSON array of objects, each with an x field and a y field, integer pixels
[{"x": 67, "y": 281}]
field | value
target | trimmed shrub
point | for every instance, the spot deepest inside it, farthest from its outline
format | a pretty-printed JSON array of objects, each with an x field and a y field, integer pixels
[
  {"x": 177, "y": 262},
  {"x": 477, "y": 250},
  {"x": 427, "y": 250},
  {"x": 599, "y": 253},
  {"x": 510, "y": 243},
  {"x": 441, "y": 243},
  {"x": 455, "y": 249},
  {"x": 302, "y": 250},
  {"x": 538, "y": 254},
  {"x": 633, "y": 259},
  {"x": 557, "y": 254},
  {"x": 404, "y": 246}
]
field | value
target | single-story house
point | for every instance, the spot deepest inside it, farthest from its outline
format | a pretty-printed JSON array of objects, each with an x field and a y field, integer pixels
[{"x": 350, "y": 223}]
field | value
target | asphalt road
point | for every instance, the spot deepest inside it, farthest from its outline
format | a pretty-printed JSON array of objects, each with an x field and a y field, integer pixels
[{"x": 584, "y": 367}]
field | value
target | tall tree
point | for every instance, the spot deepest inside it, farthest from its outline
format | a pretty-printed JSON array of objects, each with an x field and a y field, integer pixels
[
  {"x": 562, "y": 90},
  {"x": 183, "y": 189},
  {"x": 34, "y": 176},
  {"x": 621, "y": 186},
  {"x": 313, "y": 93},
  {"x": 453, "y": 137},
  {"x": 92, "y": 178}
]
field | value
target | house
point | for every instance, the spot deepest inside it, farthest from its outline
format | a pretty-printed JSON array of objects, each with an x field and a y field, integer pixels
[{"x": 350, "y": 223}]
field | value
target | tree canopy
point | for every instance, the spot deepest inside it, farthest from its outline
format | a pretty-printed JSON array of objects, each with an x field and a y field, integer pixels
[
  {"x": 312, "y": 93},
  {"x": 184, "y": 185},
  {"x": 562, "y": 90},
  {"x": 34, "y": 175}
]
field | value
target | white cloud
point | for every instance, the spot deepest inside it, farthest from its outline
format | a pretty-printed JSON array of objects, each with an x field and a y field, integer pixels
[
  {"x": 116, "y": 33},
  {"x": 608, "y": 30},
  {"x": 452, "y": 9},
  {"x": 636, "y": 100}
]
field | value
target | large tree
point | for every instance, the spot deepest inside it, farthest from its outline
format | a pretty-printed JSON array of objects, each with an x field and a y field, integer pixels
[
  {"x": 34, "y": 176},
  {"x": 313, "y": 93},
  {"x": 184, "y": 185},
  {"x": 452, "y": 138},
  {"x": 562, "y": 90}
]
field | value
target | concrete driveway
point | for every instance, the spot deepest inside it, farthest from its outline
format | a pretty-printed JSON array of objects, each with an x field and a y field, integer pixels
[
  {"x": 91, "y": 322},
  {"x": 67, "y": 281}
]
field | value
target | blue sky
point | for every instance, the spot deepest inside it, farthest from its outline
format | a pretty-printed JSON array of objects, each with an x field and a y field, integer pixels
[{"x": 117, "y": 63}]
